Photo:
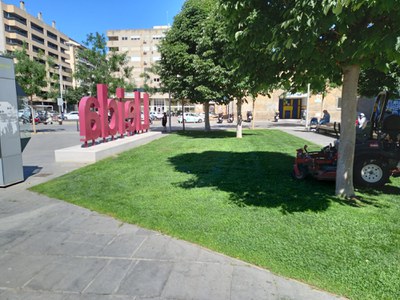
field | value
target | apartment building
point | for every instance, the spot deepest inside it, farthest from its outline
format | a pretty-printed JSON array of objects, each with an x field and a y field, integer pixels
[
  {"x": 17, "y": 27},
  {"x": 141, "y": 46}
]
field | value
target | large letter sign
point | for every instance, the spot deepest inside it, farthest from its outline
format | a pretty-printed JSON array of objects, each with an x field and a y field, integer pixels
[{"x": 105, "y": 118}]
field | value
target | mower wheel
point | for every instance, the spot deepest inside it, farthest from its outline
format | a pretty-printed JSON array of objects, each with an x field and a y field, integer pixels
[
  {"x": 370, "y": 172},
  {"x": 301, "y": 174}
]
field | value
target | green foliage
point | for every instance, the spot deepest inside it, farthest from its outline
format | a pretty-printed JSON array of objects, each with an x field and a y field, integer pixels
[
  {"x": 96, "y": 65},
  {"x": 372, "y": 80},
  {"x": 30, "y": 74},
  {"x": 243, "y": 203},
  {"x": 310, "y": 41},
  {"x": 193, "y": 57}
]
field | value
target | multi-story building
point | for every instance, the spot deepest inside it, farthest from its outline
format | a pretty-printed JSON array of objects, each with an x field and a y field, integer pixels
[
  {"x": 141, "y": 46},
  {"x": 18, "y": 27}
]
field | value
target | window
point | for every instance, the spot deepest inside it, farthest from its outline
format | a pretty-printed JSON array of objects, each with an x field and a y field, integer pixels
[
  {"x": 52, "y": 46},
  {"x": 124, "y": 38},
  {"x": 113, "y": 38},
  {"x": 156, "y": 79},
  {"x": 135, "y": 38},
  {"x": 36, "y": 27},
  {"x": 339, "y": 102},
  {"x": 53, "y": 55},
  {"x": 37, "y": 49},
  {"x": 17, "y": 30},
  {"x": 158, "y": 37},
  {"x": 51, "y": 35},
  {"x": 37, "y": 39},
  {"x": 11, "y": 16},
  {"x": 13, "y": 41}
]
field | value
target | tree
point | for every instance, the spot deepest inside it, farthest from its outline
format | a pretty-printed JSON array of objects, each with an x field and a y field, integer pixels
[
  {"x": 96, "y": 65},
  {"x": 30, "y": 75},
  {"x": 312, "y": 41},
  {"x": 190, "y": 67},
  {"x": 373, "y": 80}
]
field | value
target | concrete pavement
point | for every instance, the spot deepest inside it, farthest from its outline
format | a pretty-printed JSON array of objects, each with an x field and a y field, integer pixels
[{"x": 50, "y": 249}]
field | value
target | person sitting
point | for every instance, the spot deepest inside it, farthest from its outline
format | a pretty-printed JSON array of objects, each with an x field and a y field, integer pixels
[
  {"x": 325, "y": 118},
  {"x": 361, "y": 121}
]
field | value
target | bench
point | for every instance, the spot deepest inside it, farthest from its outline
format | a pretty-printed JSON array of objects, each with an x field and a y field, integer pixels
[{"x": 329, "y": 128}]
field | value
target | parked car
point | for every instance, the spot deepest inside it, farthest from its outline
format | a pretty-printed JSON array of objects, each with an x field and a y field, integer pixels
[
  {"x": 156, "y": 115},
  {"x": 191, "y": 118},
  {"x": 72, "y": 115}
]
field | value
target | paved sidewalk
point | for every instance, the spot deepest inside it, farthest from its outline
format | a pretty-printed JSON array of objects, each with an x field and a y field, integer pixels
[{"x": 50, "y": 249}]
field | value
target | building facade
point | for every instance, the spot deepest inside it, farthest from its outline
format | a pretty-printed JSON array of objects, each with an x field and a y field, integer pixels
[
  {"x": 18, "y": 27},
  {"x": 141, "y": 46}
]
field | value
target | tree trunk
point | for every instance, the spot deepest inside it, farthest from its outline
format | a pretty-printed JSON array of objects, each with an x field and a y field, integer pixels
[
  {"x": 207, "y": 116},
  {"x": 239, "y": 119},
  {"x": 344, "y": 174},
  {"x": 253, "y": 112},
  {"x": 33, "y": 116},
  {"x": 183, "y": 115}
]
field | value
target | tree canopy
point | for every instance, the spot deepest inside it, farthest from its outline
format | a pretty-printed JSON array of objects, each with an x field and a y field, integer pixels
[
  {"x": 194, "y": 58},
  {"x": 30, "y": 73},
  {"x": 97, "y": 65},
  {"x": 315, "y": 41}
]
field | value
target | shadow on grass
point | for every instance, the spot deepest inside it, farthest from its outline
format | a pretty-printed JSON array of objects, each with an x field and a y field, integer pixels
[
  {"x": 387, "y": 190},
  {"x": 215, "y": 134},
  {"x": 255, "y": 179}
]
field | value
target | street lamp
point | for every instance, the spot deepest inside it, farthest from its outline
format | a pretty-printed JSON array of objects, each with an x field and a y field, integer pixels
[{"x": 60, "y": 100}]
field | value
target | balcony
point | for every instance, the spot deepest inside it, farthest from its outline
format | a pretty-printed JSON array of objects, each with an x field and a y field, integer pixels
[
  {"x": 14, "y": 29},
  {"x": 37, "y": 27},
  {"x": 37, "y": 39},
  {"x": 52, "y": 46},
  {"x": 14, "y": 17},
  {"x": 51, "y": 35},
  {"x": 14, "y": 42}
]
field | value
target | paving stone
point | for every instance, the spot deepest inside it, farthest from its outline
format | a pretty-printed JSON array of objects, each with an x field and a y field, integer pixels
[
  {"x": 40, "y": 243},
  {"x": 16, "y": 270},
  {"x": 123, "y": 245},
  {"x": 109, "y": 279},
  {"x": 99, "y": 224},
  {"x": 167, "y": 248},
  {"x": 10, "y": 238},
  {"x": 206, "y": 255},
  {"x": 201, "y": 281},
  {"x": 67, "y": 274},
  {"x": 146, "y": 279},
  {"x": 30, "y": 295},
  {"x": 81, "y": 244},
  {"x": 252, "y": 283}
]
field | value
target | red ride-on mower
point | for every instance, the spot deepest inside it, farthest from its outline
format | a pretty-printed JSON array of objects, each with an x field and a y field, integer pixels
[{"x": 377, "y": 150}]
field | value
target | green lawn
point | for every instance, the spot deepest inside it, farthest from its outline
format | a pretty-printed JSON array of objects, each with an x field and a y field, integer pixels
[{"x": 236, "y": 196}]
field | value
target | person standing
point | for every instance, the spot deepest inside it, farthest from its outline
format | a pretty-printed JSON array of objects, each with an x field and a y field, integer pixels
[{"x": 164, "y": 122}]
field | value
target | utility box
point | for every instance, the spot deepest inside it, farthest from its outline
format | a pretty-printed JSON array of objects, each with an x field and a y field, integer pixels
[{"x": 11, "y": 167}]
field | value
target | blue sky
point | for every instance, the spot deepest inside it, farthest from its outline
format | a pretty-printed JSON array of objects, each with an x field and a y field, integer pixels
[{"x": 78, "y": 18}]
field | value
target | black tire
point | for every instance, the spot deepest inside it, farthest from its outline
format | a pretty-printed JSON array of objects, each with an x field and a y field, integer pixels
[
  {"x": 302, "y": 173},
  {"x": 200, "y": 120},
  {"x": 370, "y": 172}
]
